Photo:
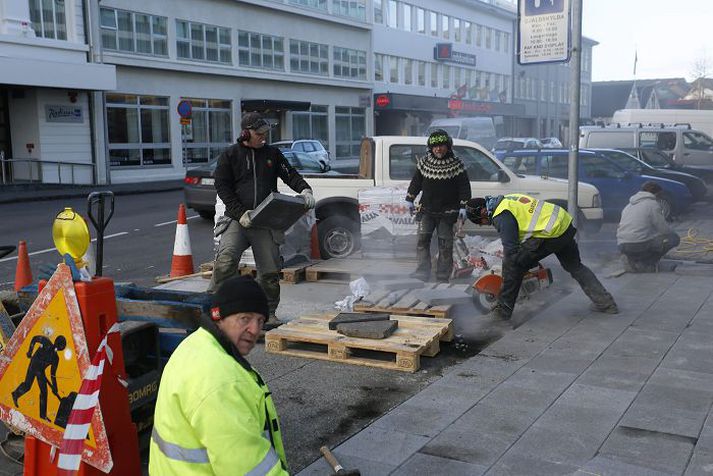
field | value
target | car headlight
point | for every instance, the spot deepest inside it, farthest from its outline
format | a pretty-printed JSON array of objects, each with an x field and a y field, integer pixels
[{"x": 596, "y": 201}]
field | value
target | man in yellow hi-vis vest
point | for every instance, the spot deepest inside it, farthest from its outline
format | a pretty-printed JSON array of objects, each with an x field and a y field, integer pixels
[
  {"x": 214, "y": 414},
  {"x": 530, "y": 230}
]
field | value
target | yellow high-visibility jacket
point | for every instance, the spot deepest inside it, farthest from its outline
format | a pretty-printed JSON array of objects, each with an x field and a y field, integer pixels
[
  {"x": 214, "y": 416},
  {"x": 535, "y": 218}
]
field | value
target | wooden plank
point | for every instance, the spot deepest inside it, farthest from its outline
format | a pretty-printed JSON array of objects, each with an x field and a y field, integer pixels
[
  {"x": 288, "y": 275},
  {"x": 406, "y": 302},
  {"x": 376, "y": 296}
]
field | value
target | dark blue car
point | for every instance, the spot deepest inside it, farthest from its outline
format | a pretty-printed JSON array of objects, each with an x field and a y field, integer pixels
[{"x": 615, "y": 184}]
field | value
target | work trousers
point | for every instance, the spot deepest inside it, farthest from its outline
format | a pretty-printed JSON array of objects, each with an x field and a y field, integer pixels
[
  {"x": 645, "y": 256},
  {"x": 565, "y": 248},
  {"x": 443, "y": 225},
  {"x": 266, "y": 249}
]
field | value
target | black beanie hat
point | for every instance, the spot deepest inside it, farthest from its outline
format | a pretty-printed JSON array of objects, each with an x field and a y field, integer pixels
[
  {"x": 238, "y": 294},
  {"x": 439, "y": 137}
]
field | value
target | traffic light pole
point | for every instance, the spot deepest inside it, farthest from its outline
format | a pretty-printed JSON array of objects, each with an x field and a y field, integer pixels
[{"x": 575, "y": 79}]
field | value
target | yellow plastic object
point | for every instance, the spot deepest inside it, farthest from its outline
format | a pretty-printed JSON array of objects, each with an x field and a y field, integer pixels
[{"x": 70, "y": 234}]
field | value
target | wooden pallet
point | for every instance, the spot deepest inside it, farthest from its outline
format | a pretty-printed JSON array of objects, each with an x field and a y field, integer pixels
[
  {"x": 310, "y": 337},
  {"x": 290, "y": 275},
  {"x": 348, "y": 269},
  {"x": 404, "y": 302}
]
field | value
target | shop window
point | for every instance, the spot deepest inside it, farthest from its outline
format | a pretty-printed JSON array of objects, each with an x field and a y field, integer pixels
[
  {"x": 312, "y": 124},
  {"x": 200, "y": 42},
  {"x": 350, "y": 8},
  {"x": 133, "y": 32},
  {"x": 138, "y": 130},
  {"x": 309, "y": 58},
  {"x": 349, "y": 63},
  {"x": 210, "y": 131},
  {"x": 48, "y": 18},
  {"x": 256, "y": 50},
  {"x": 350, "y": 129}
]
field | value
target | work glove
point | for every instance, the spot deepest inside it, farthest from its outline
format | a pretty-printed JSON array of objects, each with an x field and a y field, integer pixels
[
  {"x": 461, "y": 214},
  {"x": 411, "y": 208},
  {"x": 308, "y": 198},
  {"x": 245, "y": 220},
  {"x": 221, "y": 225}
]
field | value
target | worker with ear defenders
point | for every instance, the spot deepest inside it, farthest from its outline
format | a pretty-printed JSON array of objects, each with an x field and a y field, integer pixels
[{"x": 246, "y": 174}]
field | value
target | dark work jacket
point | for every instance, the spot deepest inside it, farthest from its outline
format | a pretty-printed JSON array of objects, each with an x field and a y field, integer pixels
[{"x": 244, "y": 177}]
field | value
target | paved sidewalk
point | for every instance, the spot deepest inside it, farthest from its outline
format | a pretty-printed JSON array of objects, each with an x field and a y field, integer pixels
[
  {"x": 568, "y": 392},
  {"x": 34, "y": 192}
]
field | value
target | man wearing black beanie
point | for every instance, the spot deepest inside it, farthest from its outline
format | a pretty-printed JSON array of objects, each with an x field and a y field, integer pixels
[{"x": 213, "y": 408}]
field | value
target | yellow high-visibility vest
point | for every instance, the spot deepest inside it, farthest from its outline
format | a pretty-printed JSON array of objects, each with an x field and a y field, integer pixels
[{"x": 535, "y": 218}]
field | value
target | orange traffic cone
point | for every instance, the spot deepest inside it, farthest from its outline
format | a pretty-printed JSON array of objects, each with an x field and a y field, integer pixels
[
  {"x": 314, "y": 243},
  {"x": 23, "y": 273},
  {"x": 182, "y": 262}
]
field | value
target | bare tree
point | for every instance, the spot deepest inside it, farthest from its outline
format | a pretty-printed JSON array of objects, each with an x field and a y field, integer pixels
[{"x": 700, "y": 69}]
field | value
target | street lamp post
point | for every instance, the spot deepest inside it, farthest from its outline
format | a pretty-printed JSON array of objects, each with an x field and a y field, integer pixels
[{"x": 575, "y": 78}]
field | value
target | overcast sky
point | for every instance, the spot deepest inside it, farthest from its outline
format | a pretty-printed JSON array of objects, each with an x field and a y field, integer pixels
[{"x": 670, "y": 35}]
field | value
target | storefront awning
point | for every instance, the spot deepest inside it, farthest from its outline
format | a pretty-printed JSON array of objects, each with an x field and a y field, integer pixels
[
  {"x": 273, "y": 105},
  {"x": 413, "y": 103},
  {"x": 51, "y": 74}
]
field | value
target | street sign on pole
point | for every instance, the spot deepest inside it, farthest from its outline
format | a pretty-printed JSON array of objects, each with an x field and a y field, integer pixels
[{"x": 543, "y": 31}]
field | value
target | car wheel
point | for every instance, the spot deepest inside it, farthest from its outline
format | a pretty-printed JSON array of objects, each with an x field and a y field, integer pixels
[
  {"x": 666, "y": 207},
  {"x": 338, "y": 237},
  {"x": 207, "y": 215}
]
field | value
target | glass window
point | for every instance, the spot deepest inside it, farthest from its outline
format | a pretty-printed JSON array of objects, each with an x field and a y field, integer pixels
[
  {"x": 434, "y": 75},
  {"x": 408, "y": 71},
  {"x": 309, "y": 58},
  {"x": 446, "y": 77},
  {"x": 555, "y": 166},
  {"x": 433, "y": 23},
  {"x": 468, "y": 32},
  {"x": 421, "y": 73},
  {"x": 522, "y": 164},
  {"x": 506, "y": 42},
  {"x": 655, "y": 158},
  {"x": 378, "y": 11},
  {"x": 350, "y": 8},
  {"x": 378, "y": 67},
  {"x": 138, "y": 130},
  {"x": 210, "y": 131},
  {"x": 478, "y": 35},
  {"x": 48, "y": 19},
  {"x": 391, "y": 18},
  {"x": 350, "y": 129},
  {"x": 133, "y": 32},
  {"x": 420, "y": 20},
  {"x": 197, "y": 41},
  {"x": 256, "y": 50},
  {"x": 479, "y": 166},
  {"x": 599, "y": 167},
  {"x": 408, "y": 20},
  {"x": 402, "y": 160},
  {"x": 697, "y": 141},
  {"x": 658, "y": 140},
  {"x": 445, "y": 26},
  {"x": 393, "y": 69},
  {"x": 317, "y": 4},
  {"x": 456, "y": 30},
  {"x": 488, "y": 37},
  {"x": 312, "y": 124},
  {"x": 348, "y": 63},
  {"x": 497, "y": 40}
]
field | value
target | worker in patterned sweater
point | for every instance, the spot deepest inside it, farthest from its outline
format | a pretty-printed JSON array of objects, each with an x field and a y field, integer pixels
[{"x": 443, "y": 183}]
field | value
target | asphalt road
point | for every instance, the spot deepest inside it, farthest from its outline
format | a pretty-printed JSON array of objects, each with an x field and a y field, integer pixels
[{"x": 138, "y": 241}]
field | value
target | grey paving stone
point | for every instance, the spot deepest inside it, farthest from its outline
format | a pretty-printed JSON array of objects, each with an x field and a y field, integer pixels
[
  {"x": 657, "y": 451},
  {"x": 513, "y": 464},
  {"x": 695, "y": 270},
  {"x": 503, "y": 420},
  {"x": 458, "y": 398},
  {"x": 397, "y": 284},
  {"x": 428, "y": 465},
  {"x": 685, "y": 379},
  {"x": 636, "y": 342},
  {"x": 692, "y": 351},
  {"x": 601, "y": 465},
  {"x": 530, "y": 388},
  {"x": 383, "y": 446},
  {"x": 368, "y": 330},
  {"x": 467, "y": 443},
  {"x": 366, "y": 466},
  {"x": 495, "y": 367},
  {"x": 705, "y": 439},
  {"x": 701, "y": 463},
  {"x": 437, "y": 297},
  {"x": 554, "y": 360},
  {"x": 618, "y": 372},
  {"x": 424, "y": 420}
]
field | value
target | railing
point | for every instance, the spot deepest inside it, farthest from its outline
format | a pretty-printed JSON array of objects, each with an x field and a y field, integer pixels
[{"x": 45, "y": 171}]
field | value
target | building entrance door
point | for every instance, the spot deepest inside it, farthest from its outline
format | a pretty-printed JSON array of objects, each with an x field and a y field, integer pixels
[{"x": 5, "y": 146}]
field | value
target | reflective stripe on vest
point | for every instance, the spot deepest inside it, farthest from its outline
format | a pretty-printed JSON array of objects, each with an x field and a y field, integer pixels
[
  {"x": 179, "y": 453},
  {"x": 553, "y": 219},
  {"x": 533, "y": 220},
  {"x": 267, "y": 463}
]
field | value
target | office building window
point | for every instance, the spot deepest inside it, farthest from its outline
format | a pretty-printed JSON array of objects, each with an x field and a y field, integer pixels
[
  {"x": 138, "y": 130},
  {"x": 350, "y": 129},
  {"x": 312, "y": 124},
  {"x": 506, "y": 42},
  {"x": 468, "y": 32},
  {"x": 433, "y": 23},
  {"x": 478, "y": 35},
  {"x": 350, "y": 8},
  {"x": 393, "y": 69},
  {"x": 391, "y": 17},
  {"x": 445, "y": 26},
  {"x": 309, "y": 58},
  {"x": 318, "y": 4},
  {"x": 378, "y": 67},
  {"x": 446, "y": 77},
  {"x": 553, "y": 92},
  {"x": 349, "y": 63},
  {"x": 543, "y": 90},
  {"x": 434, "y": 75},
  {"x": 209, "y": 133},
  {"x": 407, "y": 17},
  {"x": 488, "y": 37},
  {"x": 408, "y": 71},
  {"x": 256, "y": 50},
  {"x": 133, "y": 32},
  {"x": 200, "y": 42},
  {"x": 421, "y": 73},
  {"x": 48, "y": 19},
  {"x": 497, "y": 40},
  {"x": 378, "y": 11},
  {"x": 421, "y": 20},
  {"x": 456, "y": 30}
]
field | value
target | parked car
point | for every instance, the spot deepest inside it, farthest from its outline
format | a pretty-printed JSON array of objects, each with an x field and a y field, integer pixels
[
  {"x": 199, "y": 183},
  {"x": 312, "y": 147},
  {"x": 515, "y": 143},
  {"x": 661, "y": 160},
  {"x": 551, "y": 143},
  {"x": 474, "y": 129},
  {"x": 695, "y": 185},
  {"x": 615, "y": 183}
]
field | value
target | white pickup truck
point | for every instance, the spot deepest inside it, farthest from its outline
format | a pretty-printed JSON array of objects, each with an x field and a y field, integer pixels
[{"x": 390, "y": 161}]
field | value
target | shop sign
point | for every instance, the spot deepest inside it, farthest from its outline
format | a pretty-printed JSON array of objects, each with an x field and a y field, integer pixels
[
  {"x": 543, "y": 31},
  {"x": 445, "y": 52},
  {"x": 59, "y": 113}
]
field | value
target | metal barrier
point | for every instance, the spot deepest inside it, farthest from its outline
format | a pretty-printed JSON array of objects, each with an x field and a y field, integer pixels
[{"x": 41, "y": 171}]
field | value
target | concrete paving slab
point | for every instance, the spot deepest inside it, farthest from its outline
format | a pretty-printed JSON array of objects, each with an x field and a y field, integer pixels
[
  {"x": 527, "y": 465},
  {"x": 618, "y": 372},
  {"x": 692, "y": 351},
  {"x": 553, "y": 360},
  {"x": 397, "y": 284},
  {"x": 438, "y": 297},
  {"x": 366, "y": 466},
  {"x": 695, "y": 270},
  {"x": 469, "y": 444},
  {"x": 602, "y": 465},
  {"x": 647, "y": 343},
  {"x": 656, "y": 418},
  {"x": 424, "y": 420},
  {"x": 701, "y": 463},
  {"x": 428, "y": 465},
  {"x": 383, "y": 446},
  {"x": 656, "y": 451},
  {"x": 368, "y": 330},
  {"x": 705, "y": 439}
]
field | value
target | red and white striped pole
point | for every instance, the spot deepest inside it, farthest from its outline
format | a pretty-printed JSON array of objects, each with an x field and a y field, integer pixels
[{"x": 182, "y": 261}]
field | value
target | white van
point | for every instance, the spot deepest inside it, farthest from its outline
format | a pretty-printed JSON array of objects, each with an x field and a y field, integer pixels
[
  {"x": 685, "y": 145},
  {"x": 699, "y": 120},
  {"x": 474, "y": 129}
]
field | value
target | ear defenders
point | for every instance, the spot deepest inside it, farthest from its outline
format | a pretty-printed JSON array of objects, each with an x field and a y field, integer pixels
[{"x": 244, "y": 135}]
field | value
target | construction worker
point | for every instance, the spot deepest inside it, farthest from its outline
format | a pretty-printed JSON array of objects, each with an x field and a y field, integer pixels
[
  {"x": 643, "y": 235},
  {"x": 443, "y": 182},
  {"x": 214, "y": 413},
  {"x": 531, "y": 230},
  {"x": 246, "y": 174}
]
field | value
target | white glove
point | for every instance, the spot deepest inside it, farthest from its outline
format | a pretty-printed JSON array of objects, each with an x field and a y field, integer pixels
[
  {"x": 461, "y": 214},
  {"x": 245, "y": 219},
  {"x": 411, "y": 208},
  {"x": 309, "y": 198}
]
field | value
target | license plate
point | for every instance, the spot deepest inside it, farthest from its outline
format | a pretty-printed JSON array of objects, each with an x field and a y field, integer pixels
[{"x": 207, "y": 181}]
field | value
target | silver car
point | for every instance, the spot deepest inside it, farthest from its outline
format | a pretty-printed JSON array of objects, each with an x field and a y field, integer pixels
[{"x": 311, "y": 147}]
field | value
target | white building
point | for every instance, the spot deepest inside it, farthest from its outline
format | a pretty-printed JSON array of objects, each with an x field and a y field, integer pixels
[{"x": 49, "y": 118}]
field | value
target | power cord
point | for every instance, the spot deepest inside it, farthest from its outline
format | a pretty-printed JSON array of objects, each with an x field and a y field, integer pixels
[{"x": 692, "y": 243}]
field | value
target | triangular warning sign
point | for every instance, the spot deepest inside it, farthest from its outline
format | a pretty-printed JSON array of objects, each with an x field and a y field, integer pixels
[{"x": 42, "y": 367}]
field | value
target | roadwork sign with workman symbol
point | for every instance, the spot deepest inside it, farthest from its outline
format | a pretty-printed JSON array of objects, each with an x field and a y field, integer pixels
[{"x": 42, "y": 366}]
